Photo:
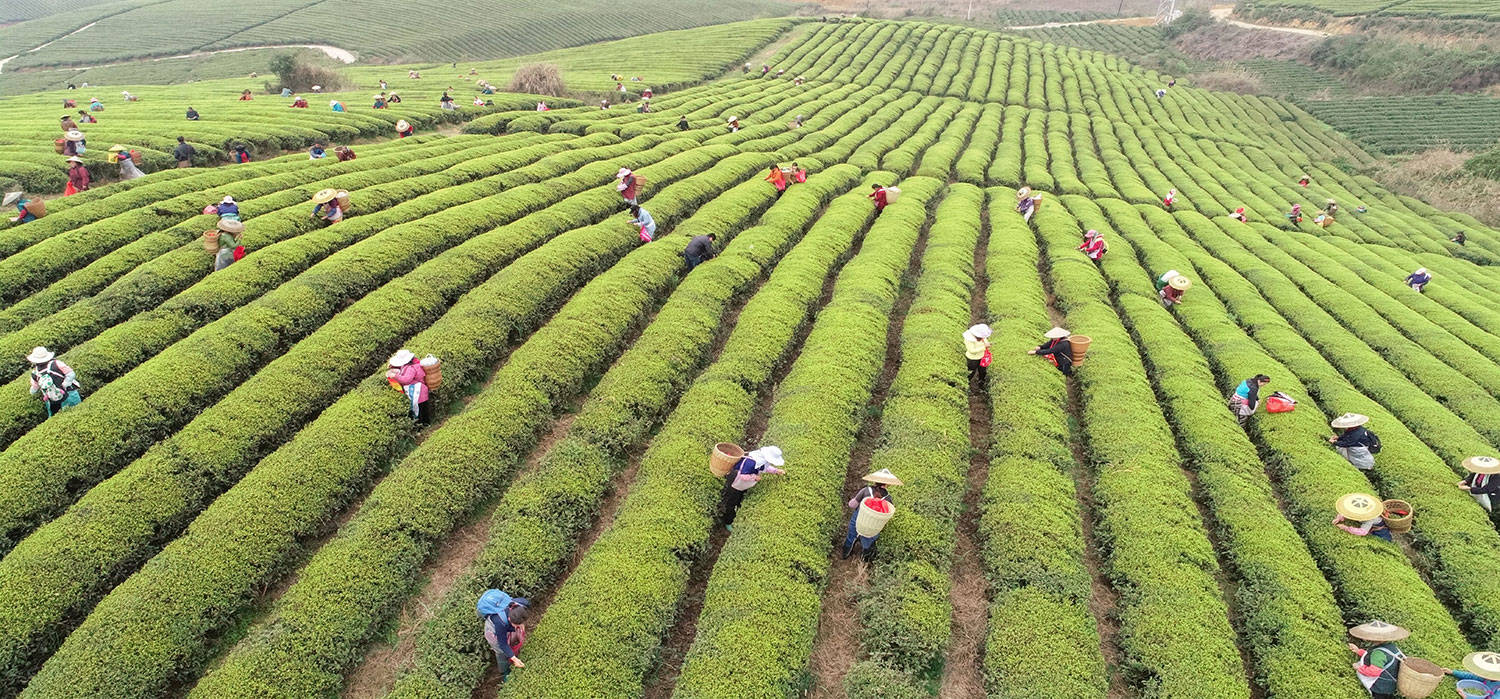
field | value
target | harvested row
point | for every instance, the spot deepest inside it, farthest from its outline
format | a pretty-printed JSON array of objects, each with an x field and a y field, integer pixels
[
  {"x": 1174, "y": 625},
  {"x": 315, "y": 632},
  {"x": 1370, "y": 578},
  {"x": 113, "y": 525},
  {"x": 761, "y": 605},
  {"x": 1283, "y": 607},
  {"x": 587, "y": 644},
  {"x": 126, "y": 416},
  {"x": 540, "y": 518},
  {"x": 1034, "y": 550},
  {"x": 924, "y": 440}
]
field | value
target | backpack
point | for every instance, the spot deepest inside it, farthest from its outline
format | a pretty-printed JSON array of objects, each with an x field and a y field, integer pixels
[
  {"x": 493, "y": 602},
  {"x": 50, "y": 385},
  {"x": 1374, "y": 445}
]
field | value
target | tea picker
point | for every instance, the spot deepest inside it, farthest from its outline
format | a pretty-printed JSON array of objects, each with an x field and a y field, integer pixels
[
  {"x": 1171, "y": 292},
  {"x": 873, "y": 508},
  {"x": 1060, "y": 350},
  {"x": 1377, "y": 659},
  {"x": 1246, "y": 397},
  {"x": 1356, "y": 444},
  {"x": 645, "y": 222},
  {"x": 743, "y": 475},
  {"x": 977, "y": 351},
  {"x": 1481, "y": 481},
  {"x": 1365, "y": 509},
  {"x": 503, "y": 630},
  {"x": 56, "y": 381},
  {"x": 27, "y": 210},
  {"x": 225, "y": 242},
  {"x": 1418, "y": 280},
  {"x": 413, "y": 379},
  {"x": 1480, "y": 678},
  {"x": 329, "y": 205},
  {"x": 1094, "y": 246}
]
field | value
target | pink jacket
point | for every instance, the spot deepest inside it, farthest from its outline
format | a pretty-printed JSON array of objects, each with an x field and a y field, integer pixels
[{"x": 413, "y": 373}]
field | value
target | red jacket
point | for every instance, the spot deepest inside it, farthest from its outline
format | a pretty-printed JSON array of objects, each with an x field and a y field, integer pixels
[
  {"x": 879, "y": 197},
  {"x": 629, "y": 191}
]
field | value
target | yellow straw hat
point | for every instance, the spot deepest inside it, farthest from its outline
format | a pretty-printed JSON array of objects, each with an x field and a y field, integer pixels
[
  {"x": 1379, "y": 631},
  {"x": 1482, "y": 464},
  {"x": 1359, "y": 506},
  {"x": 324, "y": 196},
  {"x": 883, "y": 477},
  {"x": 1023, "y": 192},
  {"x": 1483, "y": 663},
  {"x": 231, "y": 227},
  {"x": 1180, "y": 283},
  {"x": 74, "y": 135},
  {"x": 401, "y": 125},
  {"x": 117, "y": 148}
]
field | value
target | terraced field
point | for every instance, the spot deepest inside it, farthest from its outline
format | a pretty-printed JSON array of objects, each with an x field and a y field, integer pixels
[
  {"x": 1414, "y": 123},
  {"x": 245, "y": 508},
  {"x": 1439, "y": 9}
]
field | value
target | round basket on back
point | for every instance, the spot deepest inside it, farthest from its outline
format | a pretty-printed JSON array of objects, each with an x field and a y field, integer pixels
[
  {"x": 725, "y": 456},
  {"x": 211, "y": 241},
  {"x": 1080, "y": 344},
  {"x": 1398, "y": 515},
  {"x": 434, "y": 368},
  {"x": 874, "y": 513},
  {"x": 1418, "y": 678},
  {"x": 36, "y": 207},
  {"x": 343, "y": 198}
]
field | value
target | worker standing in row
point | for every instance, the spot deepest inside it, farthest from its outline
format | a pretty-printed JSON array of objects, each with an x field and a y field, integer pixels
[
  {"x": 55, "y": 381},
  {"x": 880, "y": 197},
  {"x": 504, "y": 631},
  {"x": 977, "y": 352},
  {"x": 875, "y": 488},
  {"x": 407, "y": 374},
  {"x": 699, "y": 250},
  {"x": 126, "y": 159},
  {"x": 231, "y": 243},
  {"x": 643, "y": 220},
  {"x": 628, "y": 186},
  {"x": 1377, "y": 659},
  {"x": 184, "y": 152},
  {"x": 1094, "y": 246},
  {"x": 78, "y": 177},
  {"x": 744, "y": 476}
]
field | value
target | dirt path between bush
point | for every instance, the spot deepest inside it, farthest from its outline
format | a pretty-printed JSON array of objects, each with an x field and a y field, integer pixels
[
  {"x": 341, "y": 55},
  {"x": 1222, "y": 12},
  {"x": 962, "y": 675}
]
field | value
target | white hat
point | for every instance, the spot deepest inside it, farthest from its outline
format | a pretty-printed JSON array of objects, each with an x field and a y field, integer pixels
[
  {"x": 1483, "y": 663},
  {"x": 332, "y": 102},
  {"x": 622, "y": 173},
  {"x": 1482, "y": 464},
  {"x": 1092, "y": 233},
  {"x": 980, "y": 331},
  {"x": 1379, "y": 631},
  {"x": 883, "y": 477},
  {"x": 1180, "y": 283},
  {"x": 227, "y": 200},
  {"x": 11, "y": 198},
  {"x": 73, "y": 135},
  {"x": 39, "y": 355},
  {"x": 401, "y": 125},
  {"x": 1421, "y": 270},
  {"x": 402, "y": 357},
  {"x": 380, "y": 96},
  {"x": 734, "y": 119},
  {"x": 1349, "y": 420},
  {"x": 75, "y": 159},
  {"x": 1056, "y": 334},
  {"x": 771, "y": 454}
]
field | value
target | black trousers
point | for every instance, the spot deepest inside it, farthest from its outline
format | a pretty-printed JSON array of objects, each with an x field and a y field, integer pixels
[
  {"x": 977, "y": 370},
  {"x": 730, "y": 506}
]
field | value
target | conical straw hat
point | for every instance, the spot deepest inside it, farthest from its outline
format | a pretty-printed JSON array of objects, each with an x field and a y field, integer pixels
[
  {"x": 1348, "y": 420},
  {"x": 1379, "y": 631},
  {"x": 1483, "y": 663},
  {"x": 117, "y": 148},
  {"x": 1180, "y": 283},
  {"x": 1482, "y": 464},
  {"x": 1023, "y": 192},
  {"x": 402, "y": 125},
  {"x": 74, "y": 135},
  {"x": 231, "y": 227},
  {"x": 1359, "y": 506},
  {"x": 324, "y": 196},
  {"x": 884, "y": 477},
  {"x": 11, "y": 198}
]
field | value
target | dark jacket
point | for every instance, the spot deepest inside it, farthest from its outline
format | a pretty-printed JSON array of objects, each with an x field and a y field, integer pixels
[
  {"x": 1483, "y": 484},
  {"x": 184, "y": 152},
  {"x": 700, "y": 247},
  {"x": 1061, "y": 352},
  {"x": 1355, "y": 437}
]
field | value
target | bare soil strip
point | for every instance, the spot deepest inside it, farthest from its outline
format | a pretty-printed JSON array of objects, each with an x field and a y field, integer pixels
[
  {"x": 962, "y": 676},
  {"x": 836, "y": 647}
]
